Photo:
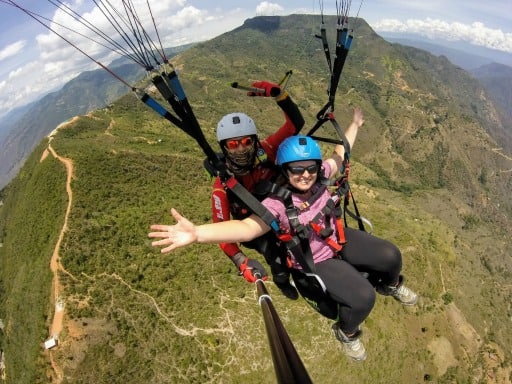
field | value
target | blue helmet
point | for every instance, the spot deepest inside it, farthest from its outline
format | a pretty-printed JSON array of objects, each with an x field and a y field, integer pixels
[{"x": 297, "y": 148}]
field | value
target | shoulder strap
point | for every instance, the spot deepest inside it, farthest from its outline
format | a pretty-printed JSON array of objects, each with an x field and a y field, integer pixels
[
  {"x": 252, "y": 203},
  {"x": 298, "y": 243}
]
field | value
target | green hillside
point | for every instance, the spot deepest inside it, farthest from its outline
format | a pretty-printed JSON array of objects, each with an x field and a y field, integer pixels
[{"x": 425, "y": 171}]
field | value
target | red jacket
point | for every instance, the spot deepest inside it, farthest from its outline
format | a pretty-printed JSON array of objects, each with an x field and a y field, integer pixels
[{"x": 222, "y": 206}]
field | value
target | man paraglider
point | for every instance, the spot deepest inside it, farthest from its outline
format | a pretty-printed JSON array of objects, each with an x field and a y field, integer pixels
[
  {"x": 252, "y": 162},
  {"x": 329, "y": 270}
]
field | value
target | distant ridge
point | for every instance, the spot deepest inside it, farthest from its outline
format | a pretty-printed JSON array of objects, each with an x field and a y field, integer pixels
[{"x": 465, "y": 55}]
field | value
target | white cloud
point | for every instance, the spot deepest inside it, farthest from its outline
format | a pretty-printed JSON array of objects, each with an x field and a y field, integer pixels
[
  {"x": 185, "y": 18},
  {"x": 12, "y": 49},
  {"x": 186, "y": 21},
  {"x": 475, "y": 33},
  {"x": 58, "y": 62},
  {"x": 266, "y": 8},
  {"x": 16, "y": 74}
]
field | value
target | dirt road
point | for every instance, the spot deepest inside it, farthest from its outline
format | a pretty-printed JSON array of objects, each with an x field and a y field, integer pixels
[{"x": 55, "y": 264}]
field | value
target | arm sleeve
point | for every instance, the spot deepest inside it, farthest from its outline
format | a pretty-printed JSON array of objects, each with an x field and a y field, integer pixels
[
  {"x": 293, "y": 124},
  {"x": 220, "y": 212},
  {"x": 291, "y": 111}
]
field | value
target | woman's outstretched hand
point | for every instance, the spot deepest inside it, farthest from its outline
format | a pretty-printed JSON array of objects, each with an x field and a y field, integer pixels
[{"x": 173, "y": 236}]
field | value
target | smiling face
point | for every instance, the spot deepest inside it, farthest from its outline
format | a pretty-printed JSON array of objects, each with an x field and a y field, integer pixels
[{"x": 302, "y": 174}]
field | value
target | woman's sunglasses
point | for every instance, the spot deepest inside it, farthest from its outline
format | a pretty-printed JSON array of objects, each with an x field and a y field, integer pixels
[
  {"x": 234, "y": 143},
  {"x": 299, "y": 170}
]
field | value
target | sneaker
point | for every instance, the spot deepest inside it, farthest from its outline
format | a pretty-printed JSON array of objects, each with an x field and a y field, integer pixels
[
  {"x": 288, "y": 290},
  {"x": 400, "y": 293},
  {"x": 352, "y": 346}
]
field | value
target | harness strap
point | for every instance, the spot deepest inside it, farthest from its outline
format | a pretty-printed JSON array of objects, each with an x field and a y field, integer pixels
[
  {"x": 332, "y": 208},
  {"x": 252, "y": 203},
  {"x": 314, "y": 197},
  {"x": 340, "y": 233},
  {"x": 297, "y": 243},
  {"x": 360, "y": 220}
]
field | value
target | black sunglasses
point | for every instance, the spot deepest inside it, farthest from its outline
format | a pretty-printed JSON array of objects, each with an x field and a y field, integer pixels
[{"x": 299, "y": 170}]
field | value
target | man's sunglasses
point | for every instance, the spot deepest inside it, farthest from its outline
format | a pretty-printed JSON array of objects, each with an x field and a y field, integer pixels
[
  {"x": 299, "y": 170},
  {"x": 234, "y": 143}
]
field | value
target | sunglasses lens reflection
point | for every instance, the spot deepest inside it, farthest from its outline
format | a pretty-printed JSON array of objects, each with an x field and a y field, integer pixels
[
  {"x": 298, "y": 170},
  {"x": 234, "y": 143}
]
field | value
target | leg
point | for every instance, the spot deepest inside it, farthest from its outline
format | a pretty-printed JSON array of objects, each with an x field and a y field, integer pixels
[
  {"x": 349, "y": 297},
  {"x": 314, "y": 295},
  {"x": 349, "y": 300},
  {"x": 383, "y": 262},
  {"x": 381, "y": 259},
  {"x": 354, "y": 295}
]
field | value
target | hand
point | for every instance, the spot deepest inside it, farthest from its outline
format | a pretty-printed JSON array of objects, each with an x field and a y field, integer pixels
[
  {"x": 249, "y": 268},
  {"x": 174, "y": 236},
  {"x": 268, "y": 88},
  {"x": 358, "y": 117}
]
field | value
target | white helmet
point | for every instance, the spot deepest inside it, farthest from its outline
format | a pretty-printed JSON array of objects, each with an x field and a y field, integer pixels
[{"x": 235, "y": 125}]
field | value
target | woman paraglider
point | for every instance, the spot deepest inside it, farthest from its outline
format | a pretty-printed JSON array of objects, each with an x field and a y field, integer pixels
[{"x": 349, "y": 265}]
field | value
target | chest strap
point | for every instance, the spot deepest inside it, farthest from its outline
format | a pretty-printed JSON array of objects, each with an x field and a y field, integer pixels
[{"x": 331, "y": 209}]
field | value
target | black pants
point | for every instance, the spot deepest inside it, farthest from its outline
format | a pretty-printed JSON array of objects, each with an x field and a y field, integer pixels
[
  {"x": 350, "y": 295},
  {"x": 275, "y": 255}
]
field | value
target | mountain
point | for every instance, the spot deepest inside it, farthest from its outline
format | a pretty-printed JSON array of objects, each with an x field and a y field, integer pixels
[
  {"x": 463, "y": 59},
  {"x": 11, "y": 117},
  {"x": 23, "y": 128},
  {"x": 497, "y": 79},
  {"x": 425, "y": 170},
  {"x": 88, "y": 91},
  {"x": 465, "y": 55}
]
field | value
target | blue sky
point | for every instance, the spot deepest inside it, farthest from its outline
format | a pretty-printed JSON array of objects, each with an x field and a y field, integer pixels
[{"x": 34, "y": 61}]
